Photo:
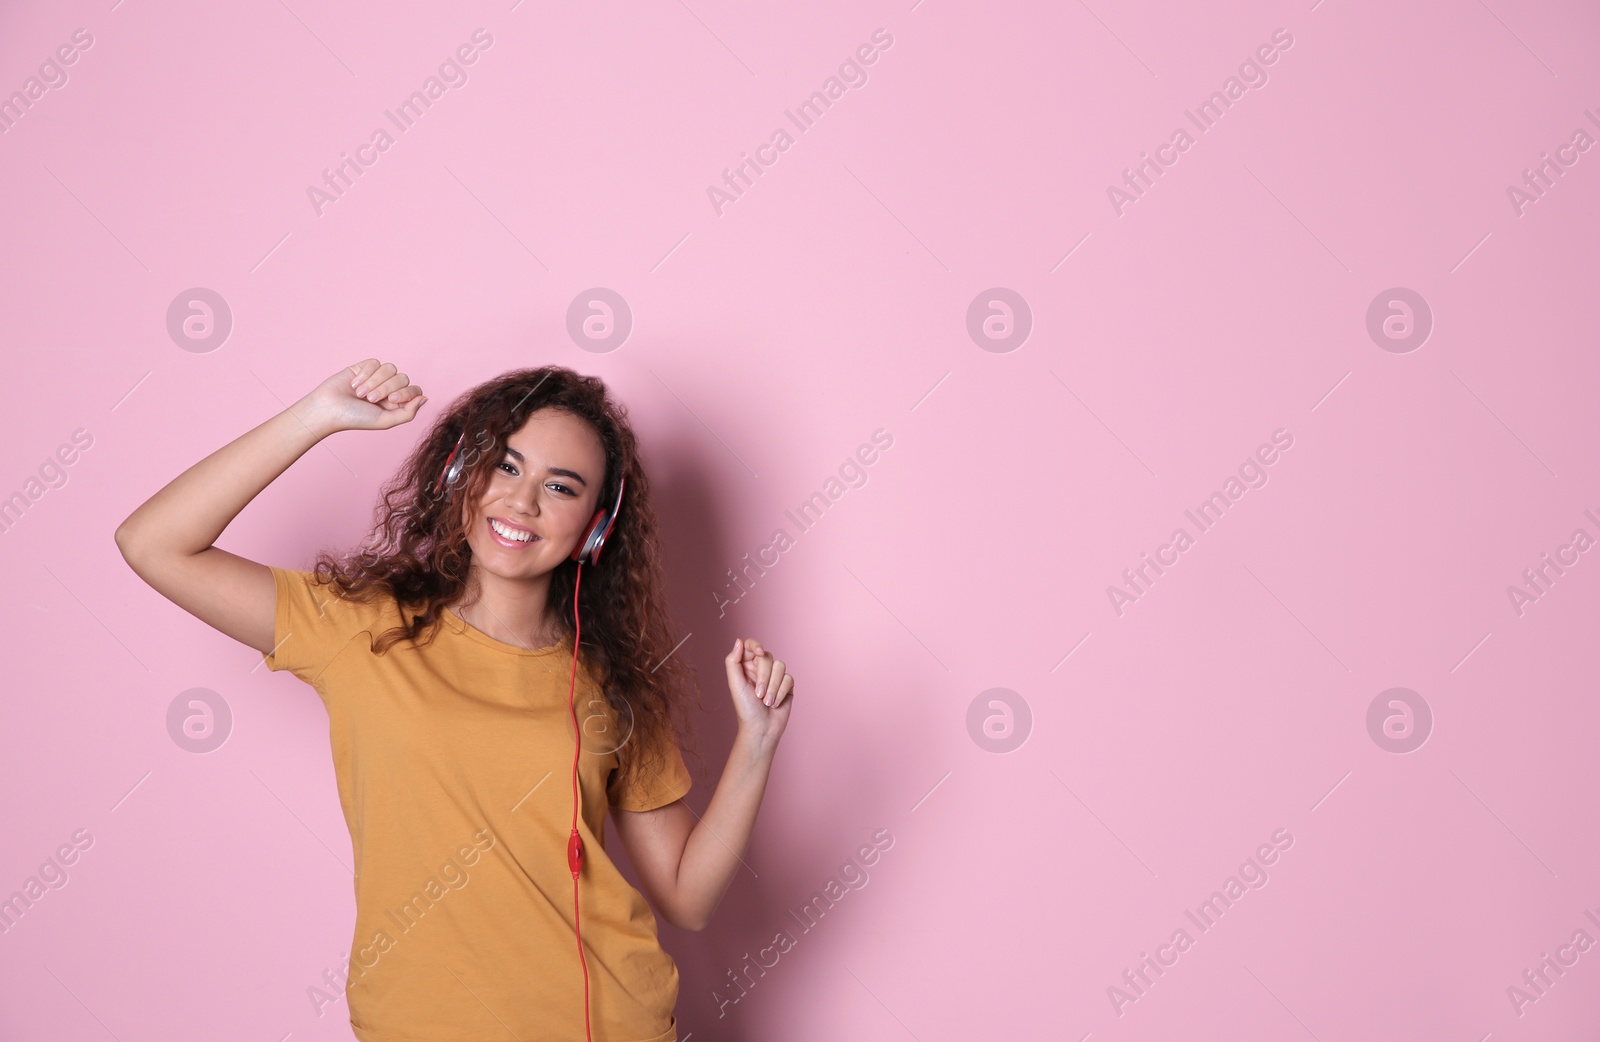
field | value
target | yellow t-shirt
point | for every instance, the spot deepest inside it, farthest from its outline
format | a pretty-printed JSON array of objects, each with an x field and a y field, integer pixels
[{"x": 454, "y": 765}]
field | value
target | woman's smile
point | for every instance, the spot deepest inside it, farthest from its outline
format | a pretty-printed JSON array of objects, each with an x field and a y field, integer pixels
[{"x": 510, "y": 536}]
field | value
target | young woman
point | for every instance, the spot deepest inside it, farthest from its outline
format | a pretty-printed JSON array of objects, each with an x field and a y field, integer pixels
[{"x": 444, "y": 652}]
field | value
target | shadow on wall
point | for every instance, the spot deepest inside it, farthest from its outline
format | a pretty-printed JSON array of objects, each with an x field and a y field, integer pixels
[{"x": 814, "y": 846}]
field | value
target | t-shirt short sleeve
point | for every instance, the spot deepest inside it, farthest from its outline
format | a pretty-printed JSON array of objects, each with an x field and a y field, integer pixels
[
  {"x": 655, "y": 785},
  {"x": 313, "y": 622}
]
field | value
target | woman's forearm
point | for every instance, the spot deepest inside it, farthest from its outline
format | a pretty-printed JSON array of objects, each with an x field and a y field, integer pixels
[
  {"x": 191, "y": 511},
  {"x": 719, "y": 839}
]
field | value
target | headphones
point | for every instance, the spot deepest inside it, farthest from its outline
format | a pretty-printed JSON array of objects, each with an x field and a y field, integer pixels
[{"x": 586, "y": 552}]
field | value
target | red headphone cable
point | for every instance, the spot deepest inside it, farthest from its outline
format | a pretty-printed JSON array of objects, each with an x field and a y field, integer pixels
[{"x": 575, "y": 845}]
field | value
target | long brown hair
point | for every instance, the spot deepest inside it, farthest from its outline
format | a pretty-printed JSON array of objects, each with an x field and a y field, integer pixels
[{"x": 417, "y": 551}]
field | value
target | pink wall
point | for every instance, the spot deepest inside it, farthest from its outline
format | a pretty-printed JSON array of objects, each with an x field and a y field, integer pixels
[{"x": 1165, "y": 339}]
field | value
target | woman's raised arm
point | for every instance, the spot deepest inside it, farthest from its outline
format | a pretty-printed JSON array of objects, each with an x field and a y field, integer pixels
[{"x": 168, "y": 540}]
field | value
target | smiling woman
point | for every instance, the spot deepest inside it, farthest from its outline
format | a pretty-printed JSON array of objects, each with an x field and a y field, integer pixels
[
  {"x": 550, "y": 447},
  {"x": 448, "y": 653}
]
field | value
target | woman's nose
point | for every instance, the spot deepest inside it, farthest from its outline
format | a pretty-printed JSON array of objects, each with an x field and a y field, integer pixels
[{"x": 523, "y": 495}]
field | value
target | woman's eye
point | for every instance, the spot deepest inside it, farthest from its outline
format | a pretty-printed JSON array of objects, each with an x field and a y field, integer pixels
[{"x": 511, "y": 469}]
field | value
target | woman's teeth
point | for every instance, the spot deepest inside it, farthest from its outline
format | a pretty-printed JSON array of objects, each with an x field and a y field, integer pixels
[{"x": 510, "y": 533}]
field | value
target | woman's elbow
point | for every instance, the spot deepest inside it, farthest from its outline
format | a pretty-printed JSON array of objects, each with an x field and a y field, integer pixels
[
  {"x": 684, "y": 920},
  {"x": 128, "y": 540}
]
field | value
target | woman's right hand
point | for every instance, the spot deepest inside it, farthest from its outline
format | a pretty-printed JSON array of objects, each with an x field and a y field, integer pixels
[{"x": 367, "y": 396}]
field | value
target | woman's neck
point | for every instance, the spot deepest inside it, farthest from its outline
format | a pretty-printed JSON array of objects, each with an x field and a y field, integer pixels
[{"x": 512, "y": 613}]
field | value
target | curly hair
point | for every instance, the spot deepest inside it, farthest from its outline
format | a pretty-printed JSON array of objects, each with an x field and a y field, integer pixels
[{"x": 417, "y": 551}]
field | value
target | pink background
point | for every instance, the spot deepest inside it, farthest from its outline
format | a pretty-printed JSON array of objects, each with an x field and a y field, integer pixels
[{"x": 1167, "y": 743}]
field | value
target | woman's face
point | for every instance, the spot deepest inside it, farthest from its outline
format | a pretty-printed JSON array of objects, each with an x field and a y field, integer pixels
[{"x": 543, "y": 491}]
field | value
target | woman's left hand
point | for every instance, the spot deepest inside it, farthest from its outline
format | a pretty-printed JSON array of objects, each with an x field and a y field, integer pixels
[{"x": 762, "y": 688}]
